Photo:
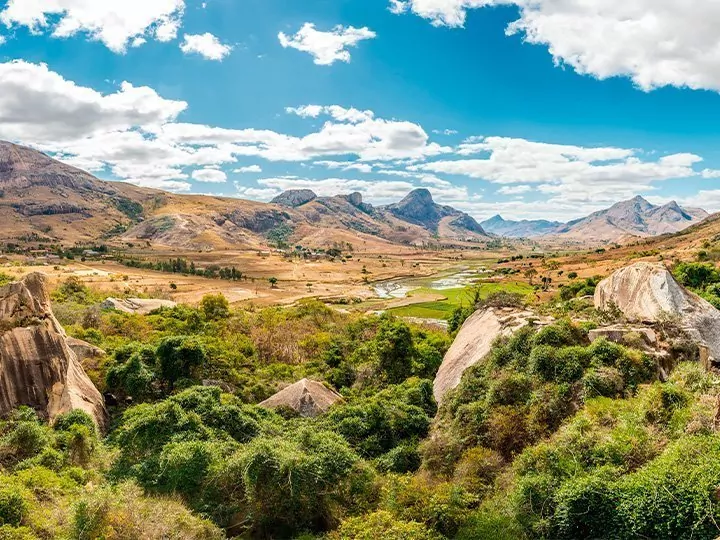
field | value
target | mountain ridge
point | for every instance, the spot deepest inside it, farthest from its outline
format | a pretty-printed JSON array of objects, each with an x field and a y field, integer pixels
[
  {"x": 45, "y": 199},
  {"x": 635, "y": 217}
]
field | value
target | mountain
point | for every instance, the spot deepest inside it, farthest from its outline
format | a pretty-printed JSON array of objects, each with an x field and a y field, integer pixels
[
  {"x": 634, "y": 218},
  {"x": 520, "y": 229},
  {"x": 419, "y": 208},
  {"x": 45, "y": 200},
  {"x": 622, "y": 221}
]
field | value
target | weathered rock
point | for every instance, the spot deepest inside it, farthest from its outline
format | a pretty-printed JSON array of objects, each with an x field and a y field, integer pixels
[
  {"x": 618, "y": 333},
  {"x": 308, "y": 398},
  {"x": 141, "y": 306},
  {"x": 648, "y": 292},
  {"x": 38, "y": 368},
  {"x": 294, "y": 197},
  {"x": 84, "y": 350},
  {"x": 474, "y": 342}
]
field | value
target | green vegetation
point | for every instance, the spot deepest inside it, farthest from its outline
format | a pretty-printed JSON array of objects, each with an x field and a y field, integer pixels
[
  {"x": 455, "y": 298},
  {"x": 701, "y": 278},
  {"x": 550, "y": 436}
]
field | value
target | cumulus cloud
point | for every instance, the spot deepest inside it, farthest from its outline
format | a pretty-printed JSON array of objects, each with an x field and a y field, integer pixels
[
  {"x": 206, "y": 45},
  {"x": 515, "y": 190},
  {"x": 40, "y": 106},
  {"x": 250, "y": 169},
  {"x": 583, "y": 173},
  {"x": 213, "y": 176},
  {"x": 374, "y": 191},
  {"x": 134, "y": 134},
  {"x": 115, "y": 23},
  {"x": 326, "y": 47},
  {"x": 656, "y": 44}
]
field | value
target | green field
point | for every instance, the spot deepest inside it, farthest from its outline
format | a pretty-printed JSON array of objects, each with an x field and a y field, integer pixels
[{"x": 442, "y": 309}]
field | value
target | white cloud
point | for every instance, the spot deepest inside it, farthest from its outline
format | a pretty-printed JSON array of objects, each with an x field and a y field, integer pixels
[
  {"x": 112, "y": 22},
  {"x": 250, "y": 169},
  {"x": 39, "y": 106},
  {"x": 654, "y": 43},
  {"x": 442, "y": 12},
  {"x": 326, "y": 47},
  {"x": 133, "y": 134},
  {"x": 515, "y": 190},
  {"x": 351, "y": 132},
  {"x": 206, "y": 45},
  {"x": 3, "y": 39},
  {"x": 585, "y": 172},
  {"x": 214, "y": 176},
  {"x": 444, "y": 132},
  {"x": 351, "y": 115},
  {"x": 373, "y": 191},
  {"x": 345, "y": 166}
]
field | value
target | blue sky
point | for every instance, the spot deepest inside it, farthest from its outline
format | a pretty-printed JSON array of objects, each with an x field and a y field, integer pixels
[{"x": 535, "y": 109}]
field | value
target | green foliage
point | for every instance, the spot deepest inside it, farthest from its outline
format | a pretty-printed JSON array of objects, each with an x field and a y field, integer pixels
[
  {"x": 283, "y": 485},
  {"x": 383, "y": 525},
  {"x": 696, "y": 275},
  {"x": 14, "y": 507},
  {"x": 215, "y": 307},
  {"x": 394, "y": 417},
  {"x": 178, "y": 356},
  {"x": 395, "y": 350}
]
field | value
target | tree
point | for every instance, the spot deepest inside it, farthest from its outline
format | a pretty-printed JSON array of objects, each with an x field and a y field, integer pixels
[
  {"x": 215, "y": 307},
  {"x": 178, "y": 356},
  {"x": 530, "y": 274},
  {"x": 273, "y": 282},
  {"x": 395, "y": 350}
]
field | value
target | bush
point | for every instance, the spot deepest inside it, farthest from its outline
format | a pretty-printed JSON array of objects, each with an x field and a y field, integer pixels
[
  {"x": 178, "y": 356},
  {"x": 401, "y": 459},
  {"x": 215, "y": 307},
  {"x": 603, "y": 382},
  {"x": 14, "y": 506},
  {"x": 477, "y": 470},
  {"x": 123, "y": 511},
  {"x": 382, "y": 525},
  {"x": 585, "y": 507}
]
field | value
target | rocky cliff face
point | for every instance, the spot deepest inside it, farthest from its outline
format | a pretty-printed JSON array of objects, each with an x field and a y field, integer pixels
[
  {"x": 474, "y": 342},
  {"x": 648, "y": 292},
  {"x": 38, "y": 368}
]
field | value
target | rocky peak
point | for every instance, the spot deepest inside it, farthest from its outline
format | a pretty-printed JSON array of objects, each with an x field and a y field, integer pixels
[
  {"x": 38, "y": 367},
  {"x": 354, "y": 198},
  {"x": 295, "y": 197}
]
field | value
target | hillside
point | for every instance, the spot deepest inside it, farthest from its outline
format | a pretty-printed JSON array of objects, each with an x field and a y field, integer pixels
[
  {"x": 520, "y": 229},
  {"x": 622, "y": 222},
  {"x": 634, "y": 218},
  {"x": 46, "y": 200}
]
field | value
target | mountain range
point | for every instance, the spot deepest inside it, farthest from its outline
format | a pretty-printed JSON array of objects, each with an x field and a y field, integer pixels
[
  {"x": 623, "y": 221},
  {"x": 46, "y": 200}
]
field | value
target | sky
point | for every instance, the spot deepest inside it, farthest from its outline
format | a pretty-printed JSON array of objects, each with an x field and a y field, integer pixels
[{"x": 528, "y": 108}]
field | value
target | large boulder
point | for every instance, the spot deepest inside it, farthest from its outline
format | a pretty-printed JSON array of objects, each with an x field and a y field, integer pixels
[
  {"x": 474, "y": 341},
  {"x": 648, "y": 292},
  {"x": 307, "y": 398},
  {"x": 38, "y": 367}
]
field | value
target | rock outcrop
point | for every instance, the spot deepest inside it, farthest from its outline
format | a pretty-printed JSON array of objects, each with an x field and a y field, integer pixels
[
  {"x": 294, "y": 197},
  {"x": 648, "y": 292},
  {"x": 38, "y": 367},
  {"x": 474, "y": 341},
  {"x": 141, "y": 306},
  {"x": 308, "y": 398}
]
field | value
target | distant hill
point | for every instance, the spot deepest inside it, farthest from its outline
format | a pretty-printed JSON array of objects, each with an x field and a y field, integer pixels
[
  {"x": 633, "y": 218},
  {"x": 46, "y": 200},
  {"x": 622, "y": 221},
  {"x": 520, "y": 229}
]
